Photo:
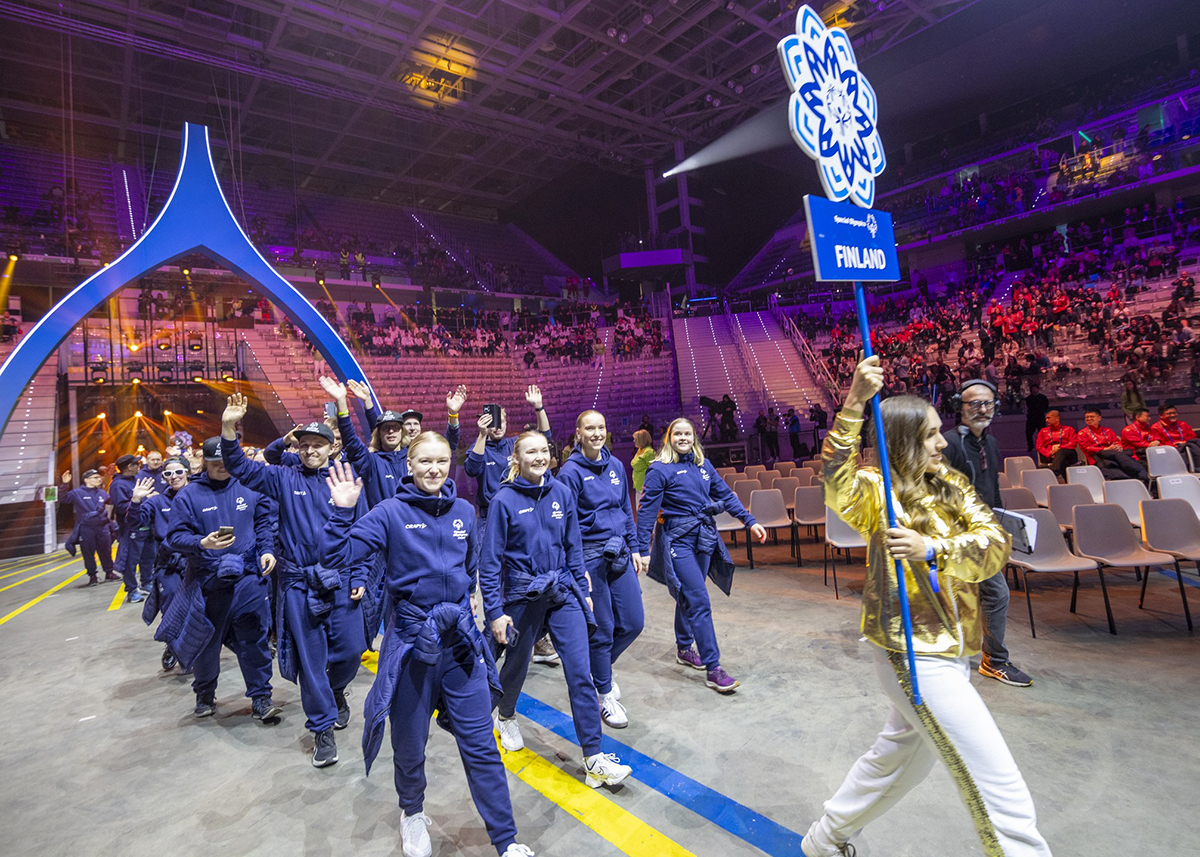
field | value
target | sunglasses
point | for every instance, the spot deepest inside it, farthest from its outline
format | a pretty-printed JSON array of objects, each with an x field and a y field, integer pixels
[{"x": 170, "y": 473}]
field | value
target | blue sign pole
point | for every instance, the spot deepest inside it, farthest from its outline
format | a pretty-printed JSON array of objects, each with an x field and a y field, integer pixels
[{"x": 864, "y": 329}]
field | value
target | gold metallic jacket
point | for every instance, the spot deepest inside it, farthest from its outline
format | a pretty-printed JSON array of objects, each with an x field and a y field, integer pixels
[{"x": 945, "y": 623}]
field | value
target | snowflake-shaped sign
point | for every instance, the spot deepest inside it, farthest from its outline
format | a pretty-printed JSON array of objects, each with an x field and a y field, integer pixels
[{"x": 832, "y": 112}]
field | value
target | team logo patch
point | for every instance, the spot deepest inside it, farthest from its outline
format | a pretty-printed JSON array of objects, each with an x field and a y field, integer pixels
[{"x": 557, "y": 513}]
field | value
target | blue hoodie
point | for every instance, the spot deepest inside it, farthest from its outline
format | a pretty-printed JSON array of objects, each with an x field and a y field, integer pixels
[
  {"x": 304, "y": 502},
  {"x": 532, "y": 529},
  {"x": 683, "y": 489},
  {"x": 489, "y": 469},
  {"x": 160, "y": 481},
  {"x": 155, "y": 513},
  {"x": 601, "y": 497},
  {"x": 426, "y": 541},
  {"x": 89, "y": 506},
  {"x": 121, "y": 491},
  {"x": 381, "y": 472},
  {"x": 205, "y": 505}
]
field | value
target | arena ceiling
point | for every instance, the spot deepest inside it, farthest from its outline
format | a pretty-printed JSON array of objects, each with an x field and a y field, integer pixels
[{"x": 460, "y": 105}]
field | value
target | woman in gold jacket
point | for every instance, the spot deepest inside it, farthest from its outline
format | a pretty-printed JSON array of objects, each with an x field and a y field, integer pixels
[{"x": 945, "y": 532}]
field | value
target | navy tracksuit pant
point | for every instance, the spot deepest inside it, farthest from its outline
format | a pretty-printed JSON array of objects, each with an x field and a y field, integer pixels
[
  {"x": 328, "y": 651},
  {"x": 241, "y": 616},
  {"x": 93, "y": 541},
  {"x": 135, "y": 552},
  {"x": 568, "y": 629},
  {"x": 468, "y": 702},
  {"x": 620, "y": 617},
  {"x": 693, "y": 620},
  {"x": 144, "y": 550}
]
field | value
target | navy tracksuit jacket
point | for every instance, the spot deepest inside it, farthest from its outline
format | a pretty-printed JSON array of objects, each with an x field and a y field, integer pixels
[
  {"x": 319, "y": 630},
  {"x": 226, "y": 584},
  {"x": 531, "y": 568},
  {"x": 688, "y": 495},
  {"x": 92, "y": 522},
  {"x": 381, "y": 471},
  {"x": 128, "y": 554},
  {"x": 601, "y": 491},
  {"x": 154, "y": 513},
  {"x": 432, "y": 655}
]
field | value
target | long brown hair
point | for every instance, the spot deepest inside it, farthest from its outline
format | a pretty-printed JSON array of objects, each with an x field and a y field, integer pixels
[{"x": 905, "y": 421}]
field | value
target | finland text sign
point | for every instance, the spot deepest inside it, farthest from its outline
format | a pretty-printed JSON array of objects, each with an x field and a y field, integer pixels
[{"x": 850, "y": 243}]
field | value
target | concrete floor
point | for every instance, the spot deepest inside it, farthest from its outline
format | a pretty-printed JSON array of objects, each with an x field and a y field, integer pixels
[{"x": 103, "y": 756}]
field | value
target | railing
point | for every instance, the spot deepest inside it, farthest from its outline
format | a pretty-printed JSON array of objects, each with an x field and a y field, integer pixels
[
  {"x": 253, "y": 372},
  {"x": 816, "y": 367},
  {"x": 760, "y": 387}
]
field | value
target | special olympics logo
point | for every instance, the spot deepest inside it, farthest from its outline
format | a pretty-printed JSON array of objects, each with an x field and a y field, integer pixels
[
  {"x": 832, "y": 113},
  {"x": 872, "y": 225},
  {"x": 458, "y": 524}
]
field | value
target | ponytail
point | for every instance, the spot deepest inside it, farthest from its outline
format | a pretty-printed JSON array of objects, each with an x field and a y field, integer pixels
[{"x": 514, "y": 468}]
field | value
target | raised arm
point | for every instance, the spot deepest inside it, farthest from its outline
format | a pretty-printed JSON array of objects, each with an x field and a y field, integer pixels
[
  {"x": 475, "y": 461},
  {"x": 255, "y": 476},
  {"x": 344, "y": 541},
  {"x": 363, "y": 393},
  {"x": 533, "y": 395},
  {"x": 852, "y": 493},
  {"x": 455, "y": 399}
]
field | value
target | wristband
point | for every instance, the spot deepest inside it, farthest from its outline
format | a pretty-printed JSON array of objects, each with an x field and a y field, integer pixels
[
  {"x": 452, "y": 417},
  {"x": 539, "y": 409},
  {"x": 346, "y": 414}
]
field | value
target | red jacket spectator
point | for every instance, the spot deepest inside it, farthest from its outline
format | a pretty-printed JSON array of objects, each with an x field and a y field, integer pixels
[
  {"x": 1135, "y": 437},
  {"x": 1092, "y": 440},
  {"x": 1064, "y": 436},
  {"x": 1177, "y": 431}
]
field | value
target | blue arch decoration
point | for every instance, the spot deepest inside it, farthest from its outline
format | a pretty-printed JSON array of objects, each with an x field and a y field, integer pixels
[{"x": 196, "y": 218}]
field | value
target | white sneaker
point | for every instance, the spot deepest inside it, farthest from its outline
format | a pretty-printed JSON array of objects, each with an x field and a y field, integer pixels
[
  {"x": 510, "y": 733},
  {"x": 414, "y": 834},
  {"x": 518, "y": 850},
  {"x": 613, "y": 712},
  {"x": 616, "y": 689},
  {"x": 604, "y": 769}
]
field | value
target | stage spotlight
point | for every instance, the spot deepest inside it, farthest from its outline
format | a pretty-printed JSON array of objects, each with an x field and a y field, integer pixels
[
  {"x": 137, "y": 380},
  {"x": 101, "y": 452},
  {"x": 12, "y": 257},
  {"x": 228, "y": 378},
  {"x": 375, "y": 281},
  {"x": 98, "y": 381},
  {"x": 622, "y": 37},
  {"x": 320, "y": 277},
  {"x": 647, "y": 19},
  {"x": 708, "y": 97},
  {"x": 755, "y": 69},
  {"x": 739, "y": 89},
  {"x": 716, "y": 102},
  {"x": 137, "y": 414},
  {"x": 199, "y": 379},
  {"x": 166, "y": 413},
  {"x": 101, "y": 415},
  {"x": 200, "y": 412},
  {"x": 612, "y": 32},
  {"x": 133, "y": 346}
]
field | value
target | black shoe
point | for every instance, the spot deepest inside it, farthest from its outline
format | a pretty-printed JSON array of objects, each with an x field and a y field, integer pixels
[
  {"x": 265, "y": 710},
  {"x": 343, "y": 707},
  {"x": 168, "y": 659},
  {"x": 324, "y": 750},
  {"x": 108, "y": 575},
  {"x": 93, "y": 580},
  {"x": 206, "y": 706},
  {"x": 1004, "y": 671}
]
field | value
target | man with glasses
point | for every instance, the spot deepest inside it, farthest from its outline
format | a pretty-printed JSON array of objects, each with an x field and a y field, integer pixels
[
  {"x": 1171, "y": 430},
  {"x": 972, "y": 450}
]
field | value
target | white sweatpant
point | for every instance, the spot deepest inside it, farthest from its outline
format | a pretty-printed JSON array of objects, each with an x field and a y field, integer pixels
[{"x": 906, "y": 750}]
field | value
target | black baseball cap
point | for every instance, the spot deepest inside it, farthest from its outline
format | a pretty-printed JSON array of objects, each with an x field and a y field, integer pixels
[
  {"x": 318, "y": 429},
  {"x": 125, "y": 460},
  {"x": 212, "y": 449},
  {"x": 390, "y": 417},
  {"x": 92, "y": 472},
  {"x": 410, "y": 414}
]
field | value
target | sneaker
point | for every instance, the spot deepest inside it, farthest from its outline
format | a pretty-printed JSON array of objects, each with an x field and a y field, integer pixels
[
  {"x": 846, "y": 850},
  {"x": 689, "y": 658},
  {"x": 343, "y": 707},
  {"x": 510, "y": 733},
  {"x": 604, "y": 769},
  {"x": 168, "y": 659},
  {"x": 414, "y": 834},
  {"x": 1004, "y": 671},
  {"x": 616, "y": 691},
  {"x": 612, "y": 712},
  {"x": 206, "y": 706},
  {"x": 136, "y": 597},
  {"x": 518, "y": 850},
  {"x": 264, "y": 708},
  {"x": 543, "y": 652},
  {"x": 108, "y": 575},
  {"x": 721, "y": 681},
  {"x": 324, "y": 749},
  {"x": 93, "y": 580}
]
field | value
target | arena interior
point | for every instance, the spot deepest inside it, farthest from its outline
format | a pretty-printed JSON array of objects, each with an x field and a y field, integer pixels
[{"x": 455, "y": 213}]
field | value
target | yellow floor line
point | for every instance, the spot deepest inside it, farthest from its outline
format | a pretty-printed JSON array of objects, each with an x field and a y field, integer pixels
[
  {"x": 28, "y": 568},
  {"x": 118, "y": 599},
  {"x": 35, "y": 576},
  {"x": 586, "y": 805},
  {"x": 45, "y": 594}
]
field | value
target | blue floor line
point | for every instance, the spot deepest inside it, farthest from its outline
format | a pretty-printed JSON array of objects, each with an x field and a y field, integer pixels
[
  {"x": 1187, "y": 581},
  {"x": 746, "y": 824}
]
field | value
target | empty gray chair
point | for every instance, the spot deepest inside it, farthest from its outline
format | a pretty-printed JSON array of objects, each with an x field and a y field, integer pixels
[
  {"x": 785, "y": 468},
  {"x": 1127, "y": 493},
  {"x": 1171, "y": 526},
  {"x": 806, "y": 476},
  {"x": 768, "y": 508},
  {"x": 1038, "y": 481},
  {"x": 1017, "y": 499},
  {"x": 1050, "y": 556},
  {"x": 787, "y": 485},
  {"x": 725, "y": 471},
  {"x": 1164, "y": 461},
  {"x": 726, "y": 523},
  {"x": 1014, "y": 464},
  {"x": 752, "y": 470},
  {"x": 1089, "y": 475},
  {"x": 808, "y": 510},
  {"x": 743, "y": 487},
  {"x": 1184, "y": 487},
  {"x": 767, "y": 478},
  {"x": 1102, "y": 533},
  {"x": 1003, "y": 479},
  {"x": 1062, "y": 500},
  {"x": 839, "y": 536}
]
